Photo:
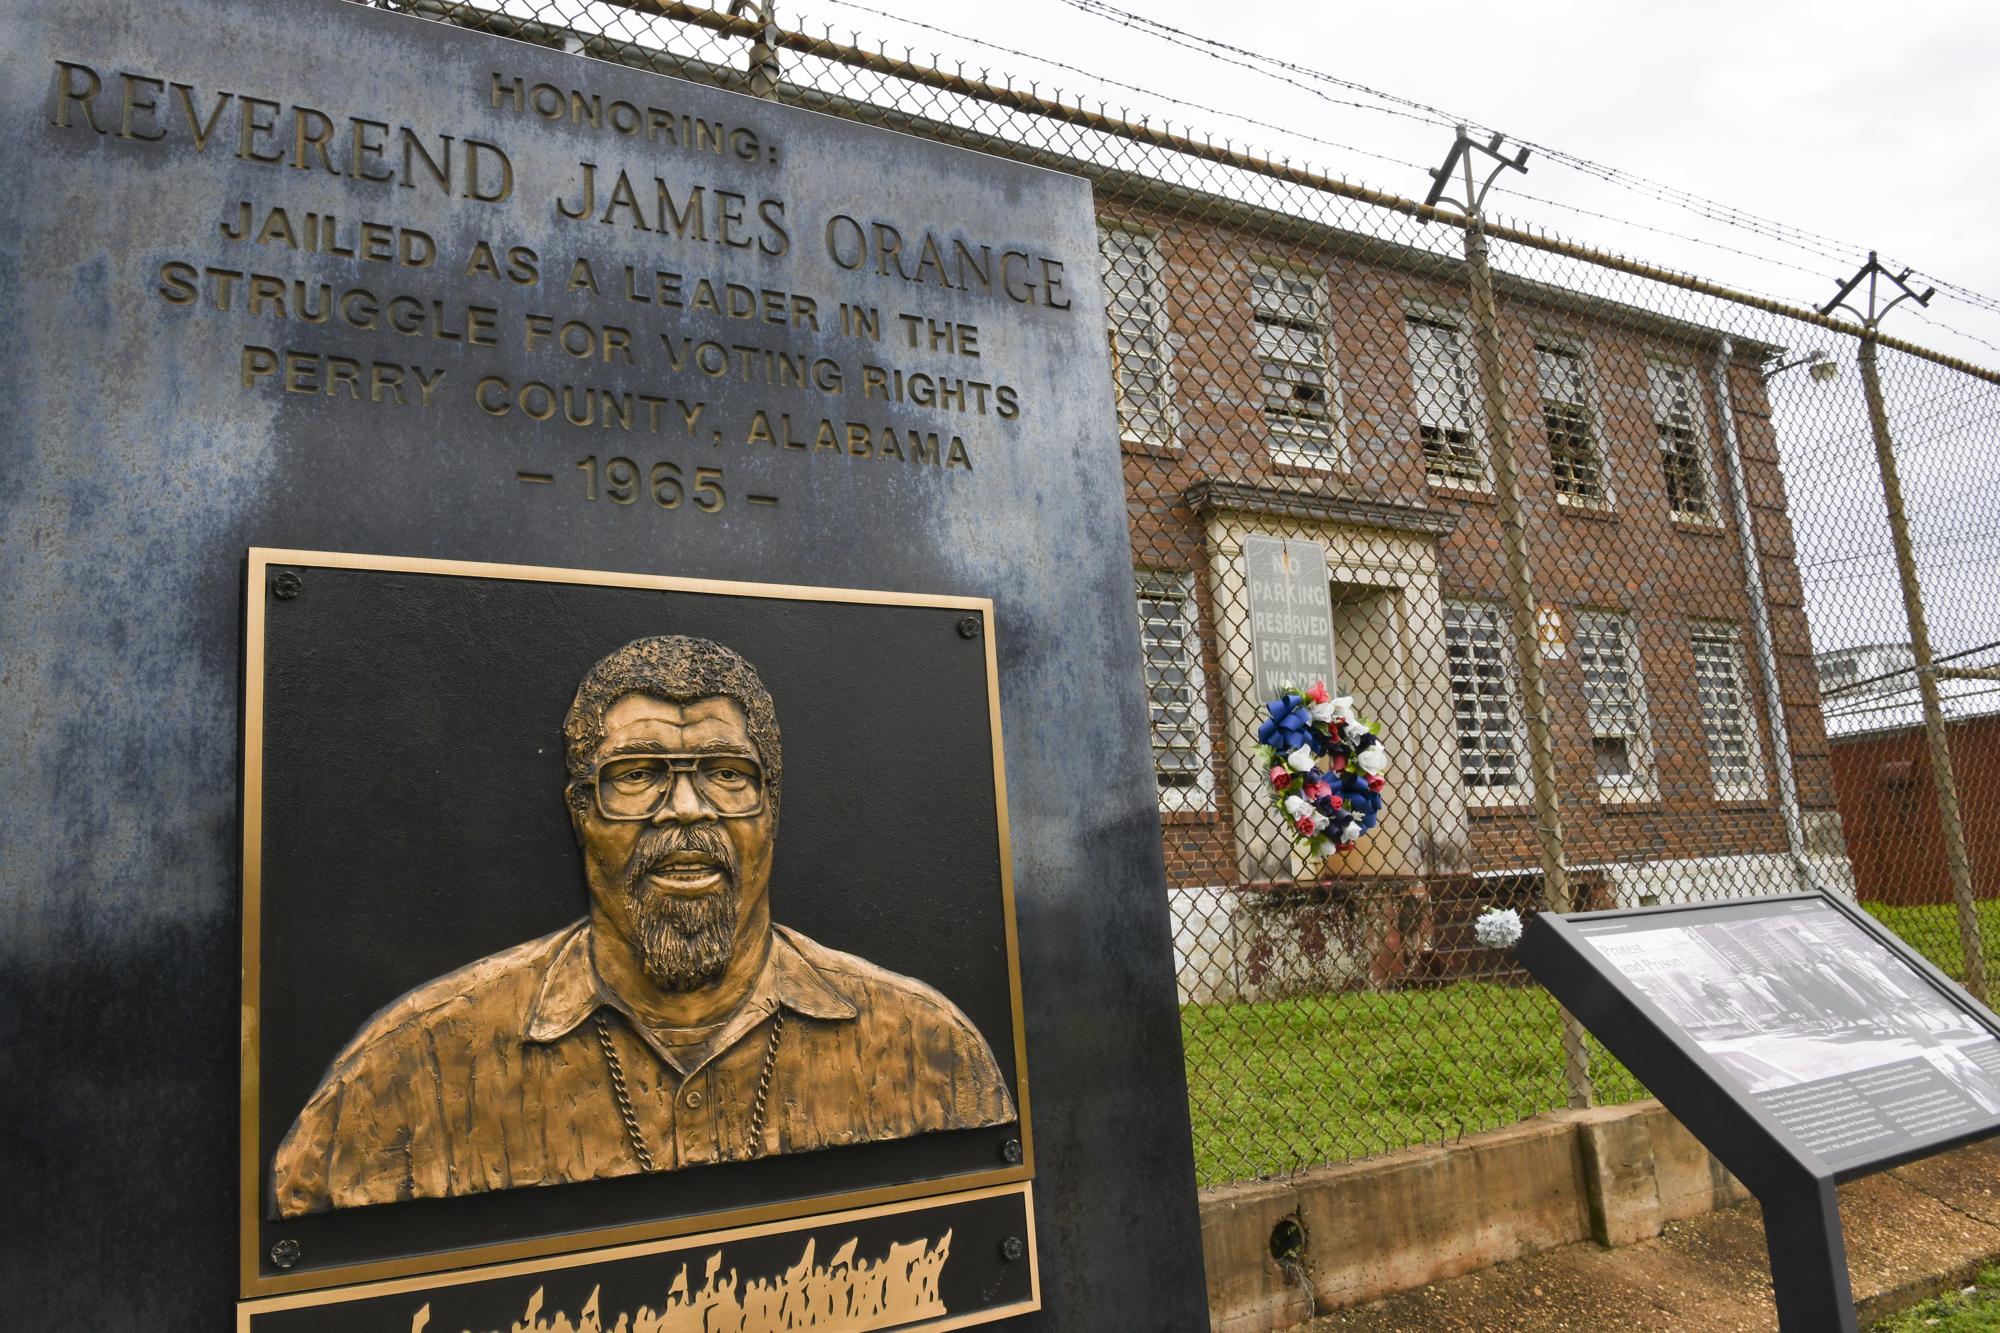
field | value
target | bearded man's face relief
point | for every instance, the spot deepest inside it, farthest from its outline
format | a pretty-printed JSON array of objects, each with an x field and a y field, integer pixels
[
  {"x": 677, "y": 975},
  {"x": 681, "y": 884},
  {"x": 676, "y": 831}
]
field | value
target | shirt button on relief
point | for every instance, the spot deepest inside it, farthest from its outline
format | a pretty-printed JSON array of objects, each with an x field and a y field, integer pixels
[{"x": 693, "y": 1099}]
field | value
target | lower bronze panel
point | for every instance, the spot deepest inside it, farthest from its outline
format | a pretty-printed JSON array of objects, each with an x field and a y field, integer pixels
[{"x": 931, "y": 1265}]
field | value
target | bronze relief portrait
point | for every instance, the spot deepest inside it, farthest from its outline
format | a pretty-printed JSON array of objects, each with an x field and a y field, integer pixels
[{"x": 676, "y": 1022}]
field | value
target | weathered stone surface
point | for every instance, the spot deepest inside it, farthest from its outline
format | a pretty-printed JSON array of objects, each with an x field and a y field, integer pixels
[{"x": 164, "y": 419}]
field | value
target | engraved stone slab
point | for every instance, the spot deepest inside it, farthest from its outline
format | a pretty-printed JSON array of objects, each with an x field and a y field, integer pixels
[{"x": 340, "y": 279}]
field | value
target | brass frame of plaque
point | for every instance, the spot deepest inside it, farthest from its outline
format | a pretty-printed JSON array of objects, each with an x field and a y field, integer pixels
[
  {"x": 254, "y": 1281},
  {"x": 247, "y": 1311}
]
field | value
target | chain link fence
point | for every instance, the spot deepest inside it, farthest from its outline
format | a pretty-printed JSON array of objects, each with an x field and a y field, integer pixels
[{"x": 1608, "y": 552}]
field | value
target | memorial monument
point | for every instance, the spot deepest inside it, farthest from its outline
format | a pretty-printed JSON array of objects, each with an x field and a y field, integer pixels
[{"x": 375, "y": 383}]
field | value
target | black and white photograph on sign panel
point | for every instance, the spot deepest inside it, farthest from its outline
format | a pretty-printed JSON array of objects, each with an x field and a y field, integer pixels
[{"x": 1781, "y": 1000}]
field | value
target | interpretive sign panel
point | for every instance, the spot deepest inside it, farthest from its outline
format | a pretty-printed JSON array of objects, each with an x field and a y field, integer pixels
[
  {"x": 1837, "y": 1038},
  {"x": 1798, "y": 1039},
  {"x": 1291, "y": 613},
  {"x": 401, "y": 418}
]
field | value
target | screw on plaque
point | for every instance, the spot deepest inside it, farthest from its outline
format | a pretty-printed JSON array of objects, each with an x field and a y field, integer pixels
[
  {"x": 1012, "y": 1249},
  {"x": 1010, "y": 1152},
  {"x": 968, "y": 628},
  {"x": 287, "y": 585},
  {"x": 285, "y": 1253}
]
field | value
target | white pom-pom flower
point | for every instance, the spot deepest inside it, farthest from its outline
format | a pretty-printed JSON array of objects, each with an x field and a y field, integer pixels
[
  {"x": 1497, "y": 928},
  {"x": 1300, "y": 759}
]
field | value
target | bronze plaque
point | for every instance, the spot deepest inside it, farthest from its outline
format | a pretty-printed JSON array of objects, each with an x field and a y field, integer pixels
[
  {"x": 532, "y": 965},
  {"x": 895, "y": 1266}
]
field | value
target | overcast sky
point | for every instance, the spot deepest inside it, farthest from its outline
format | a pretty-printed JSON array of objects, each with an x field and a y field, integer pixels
[
  {"x": 1864, "y": 126},
  {"x": 1872, "y": 127},
  {"x": 1850, "y": 126}
]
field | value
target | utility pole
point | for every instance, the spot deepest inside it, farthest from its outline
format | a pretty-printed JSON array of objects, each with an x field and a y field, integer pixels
[
  {"x": 1878, "y": 282},
  {"x": 1462, "y": 166}
]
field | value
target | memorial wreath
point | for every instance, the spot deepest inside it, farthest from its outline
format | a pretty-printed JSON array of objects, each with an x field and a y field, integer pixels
[{"x": 1326, "y": 768}]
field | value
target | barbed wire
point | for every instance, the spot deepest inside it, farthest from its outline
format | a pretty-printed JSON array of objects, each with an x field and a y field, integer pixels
[
  {"x": 1109, "y": 82},
  {"x": 1324, "y": 142},
  {"x": 1833, "y": 249}
]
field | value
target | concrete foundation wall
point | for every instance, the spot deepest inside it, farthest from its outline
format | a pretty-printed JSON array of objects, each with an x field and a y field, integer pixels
[
  {"x": 1279, "y": 1252},
  {"x": 1232, "y": 945}
]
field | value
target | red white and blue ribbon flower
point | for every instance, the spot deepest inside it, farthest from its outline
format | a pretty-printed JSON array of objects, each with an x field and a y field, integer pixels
[{"x": 1325, "y": 766}]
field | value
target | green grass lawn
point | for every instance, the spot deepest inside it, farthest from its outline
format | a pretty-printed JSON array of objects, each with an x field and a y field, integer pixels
[
  {"x": 1285, "y": 1084},
  {"x": 1976, "y": 1310},
  {"x": 1933, "y": 931},
  {"x": 1280, "y": 1085}
]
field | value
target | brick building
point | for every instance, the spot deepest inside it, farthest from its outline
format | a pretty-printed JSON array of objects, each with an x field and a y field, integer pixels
[
  {"x": 1283, "y": 378},
  {"x": 1882, "y": 770}
]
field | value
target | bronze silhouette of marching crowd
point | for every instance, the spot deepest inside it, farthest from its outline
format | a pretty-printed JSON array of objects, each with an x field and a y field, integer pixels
[{"x": 845, "y": 1295}]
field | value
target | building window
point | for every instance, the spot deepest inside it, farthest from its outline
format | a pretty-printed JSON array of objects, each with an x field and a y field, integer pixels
[
  {"x": 1735, "y": 759},
  {"x": 1614, "y": 693},
  {"x": 1135, "y": 289},
  {"x": 1176, "y": 698},
  {"x": 1441, "y": 374},
  {"x": 1677, "y": 424},
  {"x": 1480, "y": 652},
  {"x": 1574, "y": 460},
  {"x": 1295, "y": 364}
]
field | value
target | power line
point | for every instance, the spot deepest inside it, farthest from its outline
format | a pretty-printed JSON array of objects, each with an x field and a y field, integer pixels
[
  {"x": 1818, "y": 243},
  {"x": 1715, "y": 209},
  {"x": 1930, "y": 568},
  {"x": 1853, "y": 685},
  {"x": 1813, "y": 243},
  {"x": 1425, "y": 111},
  {"x": 1929, "y": 410},
  {"x": 1947, "y": 701},
  {"x": 1944, "y": 542},
  {"x": 1256, "y": 63},
  {"x": 1301, "y": 135}
]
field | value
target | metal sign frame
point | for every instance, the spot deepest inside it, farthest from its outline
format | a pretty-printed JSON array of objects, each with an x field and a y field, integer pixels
[{"x": 1795, "y": 1186}]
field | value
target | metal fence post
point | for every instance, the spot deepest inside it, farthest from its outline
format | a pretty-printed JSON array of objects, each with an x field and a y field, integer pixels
[
  {"x": 1920, "y": 647},
  {"x": 763, "y": 68},
  {"x": 1521, "y": 607}
]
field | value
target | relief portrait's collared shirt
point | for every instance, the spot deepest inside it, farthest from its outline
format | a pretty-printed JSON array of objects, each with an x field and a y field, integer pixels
[{"x": 495, "y": 1076}]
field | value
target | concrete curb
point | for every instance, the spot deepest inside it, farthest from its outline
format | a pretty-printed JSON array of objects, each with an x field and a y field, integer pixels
[
  {"x": 1278, "y": 1252},
  {"x": 1882, "y": 1304}
]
